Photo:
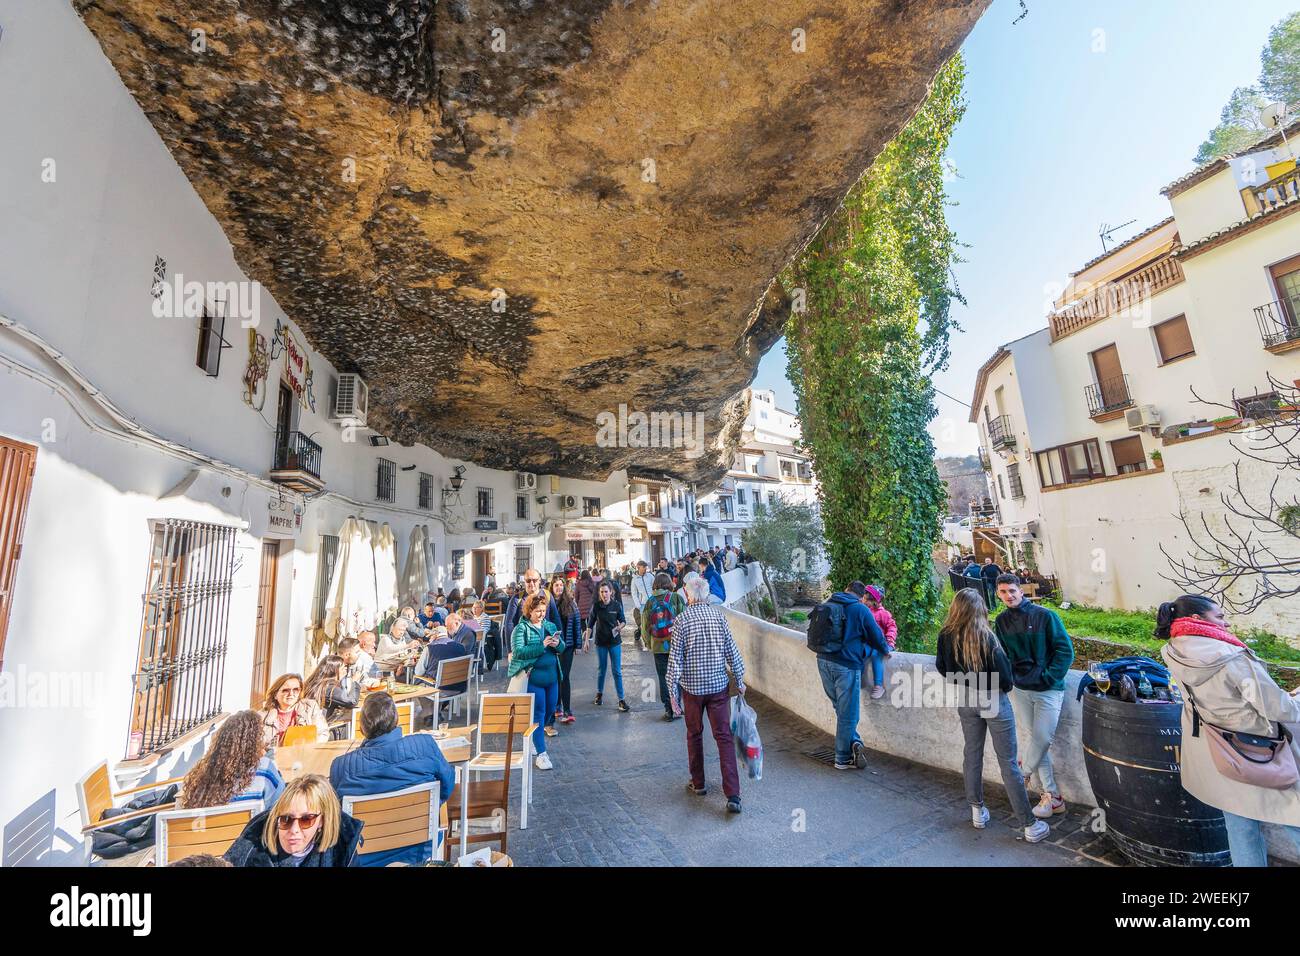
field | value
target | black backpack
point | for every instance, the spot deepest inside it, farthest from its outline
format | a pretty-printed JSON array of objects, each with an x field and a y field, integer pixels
[{"x": 826, "y": 628}]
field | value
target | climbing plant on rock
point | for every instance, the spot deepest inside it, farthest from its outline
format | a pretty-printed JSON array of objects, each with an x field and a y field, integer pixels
[{"x": 873, "y": 325}]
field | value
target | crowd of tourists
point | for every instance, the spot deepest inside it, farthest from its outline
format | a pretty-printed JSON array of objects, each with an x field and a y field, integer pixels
[{"x": 1023, "y": 657}]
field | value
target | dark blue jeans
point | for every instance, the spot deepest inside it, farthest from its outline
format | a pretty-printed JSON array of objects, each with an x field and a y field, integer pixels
[
  {"x": 545, "y": 700},
  {"x": 843, "y": 685}
]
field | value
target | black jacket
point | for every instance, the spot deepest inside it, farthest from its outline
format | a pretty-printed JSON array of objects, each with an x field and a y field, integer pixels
[
  {"x": 604, "y": 622},
  {"x": 999, "y": 667},
  {"x": 247, "y": 850}
]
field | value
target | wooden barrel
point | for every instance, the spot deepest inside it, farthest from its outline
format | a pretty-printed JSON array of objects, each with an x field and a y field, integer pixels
[{"x": 1132, "y": 752}]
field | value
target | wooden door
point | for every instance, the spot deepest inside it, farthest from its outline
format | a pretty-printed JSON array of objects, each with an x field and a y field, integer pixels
[
  {"x": 482, "y": 565},
  {"x": 17, "y": 466},
  {"x": 264, "y": 637},
  {"x": 1110, "y": 376},
  {"x": 283, "y": 424},
  {"x": 656, "y": 548}
]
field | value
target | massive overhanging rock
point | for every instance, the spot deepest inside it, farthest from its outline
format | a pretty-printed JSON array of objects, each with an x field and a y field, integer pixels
[{"x": 629, "y": 175}]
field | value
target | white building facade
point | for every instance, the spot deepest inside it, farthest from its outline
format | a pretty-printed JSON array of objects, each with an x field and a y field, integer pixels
[{"x": 1092, "y": 428}]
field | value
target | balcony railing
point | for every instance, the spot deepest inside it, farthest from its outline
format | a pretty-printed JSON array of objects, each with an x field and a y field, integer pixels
[
  {"x": 297, "y": 461},
  {"x": 1278, "y": 325},
  {"x": 1108, "y": 395},
  {"x": 1001, "y": 434},
  {"x": 1125, "y": 296},
  {"x": 1275, "y": 192}
]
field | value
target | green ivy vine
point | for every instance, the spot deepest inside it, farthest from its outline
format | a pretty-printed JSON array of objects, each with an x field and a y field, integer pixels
[{"x": 877, "y": 287}]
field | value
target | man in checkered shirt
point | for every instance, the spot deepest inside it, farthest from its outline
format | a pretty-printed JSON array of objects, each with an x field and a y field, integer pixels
[{"x": 699, "y": 657}]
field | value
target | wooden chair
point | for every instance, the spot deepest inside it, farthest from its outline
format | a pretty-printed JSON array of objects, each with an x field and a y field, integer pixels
[
  {"x": 405, "y": 720},
  {"x": 397, "y": 819},
  {"x": 95, "y": 794},
  {"x": 488, "y": 800},
  {"x": 182, "y": 833},
  {"x": 496, "y": 716},
  {"x": 294, "y": 736},
  {"x": 455, "y": 670}
]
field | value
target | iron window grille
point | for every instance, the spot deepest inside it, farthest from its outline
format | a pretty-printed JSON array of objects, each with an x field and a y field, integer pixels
[
  {"x": 521, "y": 507},
  {"x": 178, "y": 681},
  {"x": 386, "y": 474},
  {"x": 591, "y": 507},
  {"x": 426, "y": 490},
  {"x": 457, "y": 565},
  {"x": 484, "y": 502},
  {"x": 329, "y": 553},
  {"x": 1013, "y": 480},
  {"x": 523, "y": 560}
]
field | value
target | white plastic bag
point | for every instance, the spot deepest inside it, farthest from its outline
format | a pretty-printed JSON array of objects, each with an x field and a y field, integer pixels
[{"x": 744, "y": 729}]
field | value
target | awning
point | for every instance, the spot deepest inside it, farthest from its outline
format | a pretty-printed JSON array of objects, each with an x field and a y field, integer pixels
[
  {"x": 593, "y": 531},
  {"x": 661, "y": 525}
]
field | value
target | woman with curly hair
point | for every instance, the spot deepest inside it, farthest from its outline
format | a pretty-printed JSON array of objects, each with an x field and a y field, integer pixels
[{"x": 235, "y": 767}]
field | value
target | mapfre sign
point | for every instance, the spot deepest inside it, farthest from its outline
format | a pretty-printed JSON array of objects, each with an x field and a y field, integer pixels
[{"x": 283, "y": 520}]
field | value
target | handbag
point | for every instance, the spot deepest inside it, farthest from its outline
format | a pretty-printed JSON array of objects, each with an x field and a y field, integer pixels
[
  {"x": 518, "y": 684},
  {"x": 1248, "y": 758}
]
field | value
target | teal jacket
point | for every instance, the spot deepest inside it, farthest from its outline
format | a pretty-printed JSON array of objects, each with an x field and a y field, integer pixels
[
  {"x": 526, "y": 650},
  {"x": 1037, "y": 645}
]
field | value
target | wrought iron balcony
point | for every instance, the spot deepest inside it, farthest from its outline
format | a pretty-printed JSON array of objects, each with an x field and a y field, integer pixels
[
  {"x": 1278, "y": 325},
  {"x": 297, "y": 462},
  {"x": 1001, "y": 434},
  {"x": 1108, "y": 395}
]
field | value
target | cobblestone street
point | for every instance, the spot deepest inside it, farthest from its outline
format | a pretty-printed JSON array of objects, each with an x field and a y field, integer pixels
[{"x": 617, "y": 797}]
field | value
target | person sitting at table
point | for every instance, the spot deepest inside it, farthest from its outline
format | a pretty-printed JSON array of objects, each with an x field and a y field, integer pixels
[
  {"x": 306, "y": 827},
  {"x": 386, "y": 761},
  {"x": 360, "y": 665},
  {"x": 331, "y": 686},
  {"x": 396, "y": 650},
  {"x": 441, "y": 648},
  {"x": 427, "y": 616},
  {"x": 458, "y": 630},
  {"x": 286, "y": 706},
  {"x": 234, "y": 768}
]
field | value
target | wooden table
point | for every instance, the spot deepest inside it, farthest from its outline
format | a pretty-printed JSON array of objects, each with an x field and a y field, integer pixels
[
  {"x": 420, "y": 690},
  {"x": 294, "y": 762}
]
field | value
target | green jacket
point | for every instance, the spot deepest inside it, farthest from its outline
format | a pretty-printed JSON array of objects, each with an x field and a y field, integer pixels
[
  {"x": 526, "y": 646},
  {"x": 675, "y": 602},
  {"x": 1037, "y": 645}
]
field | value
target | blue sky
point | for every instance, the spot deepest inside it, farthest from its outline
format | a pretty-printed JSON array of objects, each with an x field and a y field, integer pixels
[{"x": 1077, "y": 116}]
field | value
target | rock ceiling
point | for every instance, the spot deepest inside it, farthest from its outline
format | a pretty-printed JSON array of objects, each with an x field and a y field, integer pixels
[{"x": 513, "y": 215}]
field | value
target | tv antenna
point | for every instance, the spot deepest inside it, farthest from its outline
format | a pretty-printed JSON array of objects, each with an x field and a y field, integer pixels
[
  {"x": 1274, "y": 116},
  {"x": 1107, "y": 230}
]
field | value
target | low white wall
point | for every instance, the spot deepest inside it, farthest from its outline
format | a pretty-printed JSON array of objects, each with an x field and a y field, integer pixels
[{"x": 779, "y": 666}]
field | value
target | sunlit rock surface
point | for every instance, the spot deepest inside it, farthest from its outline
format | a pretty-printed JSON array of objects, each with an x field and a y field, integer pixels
[{"x": 629, "y": 175}]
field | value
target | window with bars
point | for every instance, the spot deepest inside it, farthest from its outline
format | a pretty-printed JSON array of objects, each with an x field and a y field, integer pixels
[
  {"x": 426, "y": 490},
  {"x": 591, "y": 507},
  {"x": 521, "y": 507},
  {"x": 523, "y": 560},
  {"x": 177, "y": 683},
  {"x": 485, "y": 502},
  {"x": 457, "y": 565},
  {"x": 1013, "y": 480},
  {"x": 329, "y": 552},
  {"x": 386, "y": 475}
]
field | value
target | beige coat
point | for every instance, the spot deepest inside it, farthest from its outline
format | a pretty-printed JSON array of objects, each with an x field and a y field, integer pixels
[
  {"x": 1233, "y": 690},
  {"x": 306, "y": 713}
]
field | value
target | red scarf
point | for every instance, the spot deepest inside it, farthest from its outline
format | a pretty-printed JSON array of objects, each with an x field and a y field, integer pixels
[{"x": 1195, "y": 627}]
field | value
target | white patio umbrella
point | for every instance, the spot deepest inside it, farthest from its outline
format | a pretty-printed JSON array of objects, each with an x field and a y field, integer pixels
[
  {"x": 351, "y": 604},
  {"x": 415, "y": 579},
  {"x": 385, "y": 572}
]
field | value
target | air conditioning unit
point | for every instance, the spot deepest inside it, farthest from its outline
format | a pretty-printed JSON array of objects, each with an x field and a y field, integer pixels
[
  {"x": 524, "y": 481},
  {"x": 351, "y": 400},
  {"x": 568, "y": 502},
  {"x": 1141, "y": 418}
]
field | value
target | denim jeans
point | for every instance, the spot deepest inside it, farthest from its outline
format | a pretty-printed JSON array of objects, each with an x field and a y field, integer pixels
[
  {"x": 566, "y": 682},
  {"x": 1246, "y": 840},
  {"x": 877, "y": 662},
  {"x": 1040, "y": 711},
  {"x": 843, "y": 685},
  {"x": 544, "y": 701},
  {"x": 974, "y": 727},
  {"x": 604, "y": 655}
]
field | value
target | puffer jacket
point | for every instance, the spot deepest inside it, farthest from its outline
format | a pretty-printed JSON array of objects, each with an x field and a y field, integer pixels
[
  {"x": 1233, "y": 690},
  {"x": 248, "y": 849},
  {"x": 585, "y": 592}
]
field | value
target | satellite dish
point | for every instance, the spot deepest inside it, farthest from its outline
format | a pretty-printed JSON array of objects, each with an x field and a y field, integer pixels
[{"x": 1273, "y": 114}]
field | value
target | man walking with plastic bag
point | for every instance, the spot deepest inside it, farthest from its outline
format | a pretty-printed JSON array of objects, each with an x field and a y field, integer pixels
[
  {"x": 744, "y": 728},
  {"x": 701, "y": 656}
]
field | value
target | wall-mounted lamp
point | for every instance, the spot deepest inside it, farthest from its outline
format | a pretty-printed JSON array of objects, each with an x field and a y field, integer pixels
[{"x": 458, "y": 478}]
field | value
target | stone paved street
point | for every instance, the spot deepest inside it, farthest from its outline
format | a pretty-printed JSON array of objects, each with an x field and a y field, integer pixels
[{"x": 617, "y": 797}]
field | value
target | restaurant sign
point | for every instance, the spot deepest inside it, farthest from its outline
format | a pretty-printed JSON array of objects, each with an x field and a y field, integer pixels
[
  {"x": 297, "y": 372},
  {"x": 589, "y": 534},
  {"x": 485, "y": 525}
]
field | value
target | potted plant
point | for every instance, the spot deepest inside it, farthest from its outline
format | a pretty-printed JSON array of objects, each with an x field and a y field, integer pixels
[
  {"x": 1157, "y": 458},
  {"x": 1226, "y": 421}
]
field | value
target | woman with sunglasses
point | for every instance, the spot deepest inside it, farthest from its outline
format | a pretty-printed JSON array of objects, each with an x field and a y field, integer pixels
[
  {"x": 286, "y": 706},
  {"x": 306, "y": 827}
]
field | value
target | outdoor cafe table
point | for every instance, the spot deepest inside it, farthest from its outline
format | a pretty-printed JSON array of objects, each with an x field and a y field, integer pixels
[{"x": 297, "y": 761}]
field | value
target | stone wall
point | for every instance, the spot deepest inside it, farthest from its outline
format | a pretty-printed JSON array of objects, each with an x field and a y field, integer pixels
[{"x": 779, "y": 665}]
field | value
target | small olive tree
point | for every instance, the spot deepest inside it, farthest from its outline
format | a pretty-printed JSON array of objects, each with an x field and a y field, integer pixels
[{"x": 786, "y": 541}]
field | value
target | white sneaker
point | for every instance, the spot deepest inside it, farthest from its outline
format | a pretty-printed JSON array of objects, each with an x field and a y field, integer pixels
[
  {"x": 1048, "y": 806},
  {"x": 543, "y": 762},
  {"x": 1037, "y": 832},
  {"x": 979, "y": 817}
]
